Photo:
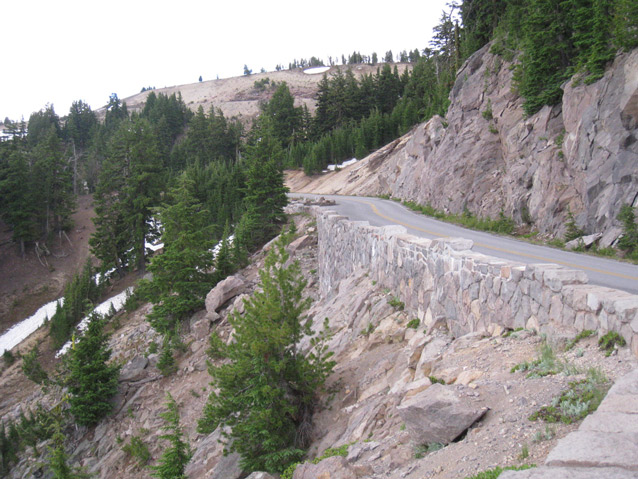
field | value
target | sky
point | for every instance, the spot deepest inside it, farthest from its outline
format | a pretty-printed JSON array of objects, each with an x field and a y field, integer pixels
[{"x": 60, "y": 51}]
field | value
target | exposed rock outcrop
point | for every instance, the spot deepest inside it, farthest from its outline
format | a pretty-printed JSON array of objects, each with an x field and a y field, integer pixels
[
  {"x": 438, "y": 415},
  {"x": 486, "y": 156}
]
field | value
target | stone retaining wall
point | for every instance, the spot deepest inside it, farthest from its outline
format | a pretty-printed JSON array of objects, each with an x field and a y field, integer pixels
[{"x": 444, "y": 280}]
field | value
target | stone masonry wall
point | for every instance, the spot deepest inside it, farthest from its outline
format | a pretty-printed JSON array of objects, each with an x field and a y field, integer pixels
[{"x": 443, "y": 280}]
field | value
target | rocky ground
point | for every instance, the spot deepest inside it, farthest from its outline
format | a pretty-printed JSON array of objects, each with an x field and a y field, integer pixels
[{"x": 383, "y": 368}]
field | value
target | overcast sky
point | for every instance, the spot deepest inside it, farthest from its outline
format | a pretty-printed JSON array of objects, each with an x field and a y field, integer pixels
[{"x": 60, "y": 51}]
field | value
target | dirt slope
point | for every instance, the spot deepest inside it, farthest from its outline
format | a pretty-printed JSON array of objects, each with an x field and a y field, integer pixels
[
  {"x": 238, "y": 96},
  {"x": 26, "y": 283}
]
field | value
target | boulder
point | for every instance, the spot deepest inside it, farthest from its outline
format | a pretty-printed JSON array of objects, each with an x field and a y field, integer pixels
[
  {"x": 300, "y": 243},
  {"x": 222, "y": 292},
  {"x": 201, "y": 329},
  {"x": 335, "y": 467},
  {"x": 438, "y": 414},
  {"x": 227, "y": 468},
  {"x": 585, "y": 241},
  {"x": 134, "y": 370}
]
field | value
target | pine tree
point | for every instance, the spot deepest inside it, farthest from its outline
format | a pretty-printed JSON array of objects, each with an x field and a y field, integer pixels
[
  {"x": 268, "y": 387},
  {"x": 265, "y": 190},
  {"x": 547, "y": 51},
  {"x": 625, "y": 24},
  {"x": 32, "y": 368},
  {"x": 129, "y": 187},
  {"x": 173, "y": 462},
  {"x": 181, "y": 274},
  {"x": 17, "y": 201},
  {"x": 92, "y": 381},
  {"x": 58, "y": 459},
  {"x": 53, "y": 177}
]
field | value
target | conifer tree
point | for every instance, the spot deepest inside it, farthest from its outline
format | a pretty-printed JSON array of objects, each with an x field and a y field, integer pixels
[
  {"x": 173, "y": 462},
  {"x": 129, "y": 187},
  {"x": 265, "y": 190},
  {"x": 268, "y": 388},
  {"x": 17, "y": 200},
  {"x": 182, "y": 273},
  {"x": 58, "y": 459},
  {"x": 92, "y": 381}
]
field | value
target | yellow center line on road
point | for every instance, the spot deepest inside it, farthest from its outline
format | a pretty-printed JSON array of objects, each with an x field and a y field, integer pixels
[{"x": 376, "y": 211}]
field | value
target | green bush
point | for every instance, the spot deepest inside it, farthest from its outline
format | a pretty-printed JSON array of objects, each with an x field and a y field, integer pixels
[
  {"x": 580, "y": 399},
  {"x": 494, "y": 473},
  {"x": 138, "y": 450},
  {"x": 8, "y": 357},
  {"x": 586, "y": 333},
  {"x": 413, "y": 323},
  {"x": 396, "y": 303},
  {"x": 174, "y": 459},
  {"x": 545, "y": 365},
  {"x": 610, "y": 341}
]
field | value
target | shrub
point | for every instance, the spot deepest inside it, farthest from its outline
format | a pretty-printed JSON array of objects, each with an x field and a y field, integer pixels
[
  {"x": 494, "y": 473},
  {"x": 396, "y": 303},
  {"x": 610, "y": 341},
  {"x": 586, "y": 333},
  {"x": 580, "y": 399},
  {"x": 137, "y": 449},
  {"x": 573, "y": 231},
  {"x": 545, "y": 365},
  {"x": 414, "y": 323},
  {"x": 8, "y": 357}
]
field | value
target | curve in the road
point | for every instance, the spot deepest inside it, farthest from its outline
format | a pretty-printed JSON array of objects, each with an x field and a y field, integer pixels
[{"x": 379, "y": 212}]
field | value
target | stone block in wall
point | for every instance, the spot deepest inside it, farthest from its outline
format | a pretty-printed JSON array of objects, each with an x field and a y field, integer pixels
[
  {"x": 627, "y": 309},
  {"x": 555, "y": 278}
]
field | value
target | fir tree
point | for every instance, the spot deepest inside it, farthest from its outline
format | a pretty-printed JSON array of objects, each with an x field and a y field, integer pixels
[
  {"x": 268, "y": 388},
  {"x": 265, "y": 190},
  {"x": 92, "y": 381},
  {"x": 174, "y": 460},
  {"x": 58, "y": 459},
  {"x": 129, "y": 187},
  {"x": 32, "y": 368},
  {"x": 182, "y": 273}
]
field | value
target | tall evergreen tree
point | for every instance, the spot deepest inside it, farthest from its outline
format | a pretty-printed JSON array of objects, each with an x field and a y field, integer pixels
[
  {"x": 17, "y": 202},
  {"x": 92, "y": 381},
  {"x": 265, "y": 192},
  {"x": 53, "y": 182},
  {"x": 182, "y": 273},
  {"x": 268, "y": 387},
  {"x": 130, "y": 186}
]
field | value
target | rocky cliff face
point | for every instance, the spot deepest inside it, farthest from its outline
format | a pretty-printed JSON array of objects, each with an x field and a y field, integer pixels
[{"x": 486, "y": 156}]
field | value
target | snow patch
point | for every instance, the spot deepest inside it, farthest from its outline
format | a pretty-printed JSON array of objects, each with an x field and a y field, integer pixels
[
  {"x": 104, "y": 308},
  {"x": 315, "y": 70},
  {"x": 19, "y": 332},
  {"x": 342, "y": 165}
]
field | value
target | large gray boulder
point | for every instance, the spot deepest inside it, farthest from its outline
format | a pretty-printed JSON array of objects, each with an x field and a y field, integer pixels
[
  {"x": 134, "y": 370},
  {"x": 438, "y": 414},
  {"x": 221, "y": 293}
]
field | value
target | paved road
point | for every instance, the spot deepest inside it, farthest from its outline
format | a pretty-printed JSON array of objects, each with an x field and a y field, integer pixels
[{"x": 378, "y": 212}]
